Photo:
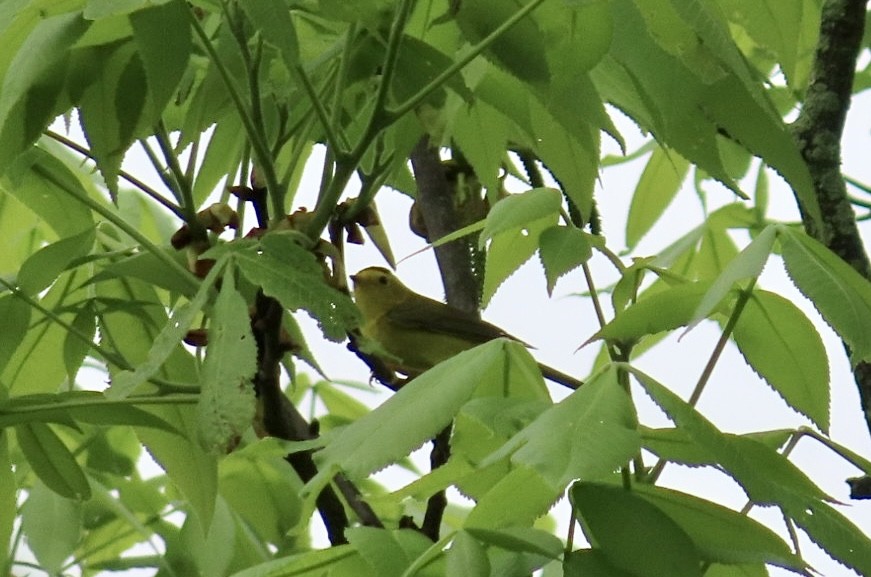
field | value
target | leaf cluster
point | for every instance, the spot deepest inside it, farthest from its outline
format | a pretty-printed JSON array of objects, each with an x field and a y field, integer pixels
[{"x": 185, "y": 301}]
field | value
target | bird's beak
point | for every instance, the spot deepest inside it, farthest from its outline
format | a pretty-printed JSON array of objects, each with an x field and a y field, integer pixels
[{"x": 353, "y": 278}]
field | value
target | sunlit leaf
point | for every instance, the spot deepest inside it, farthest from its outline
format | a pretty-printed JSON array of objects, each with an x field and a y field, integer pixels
[
  {"x": 44, "y": 266},
  {"x": 585, "y": 436},
  {"x": 655, "y": 190},
  {"x": 634, "y": 533},
  {"x": 782, "y": 345},
  {"x": 562, "y": 249},
  {"x": 163, "y": 38},
  {"x": 840, "y": 293},
  {"x": 53, "y": 525},
  {"x": 226, "y": 405},
  {"x": 52, "y": 461}
]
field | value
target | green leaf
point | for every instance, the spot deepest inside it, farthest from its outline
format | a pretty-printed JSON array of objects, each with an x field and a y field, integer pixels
[
  {"x": 148, "y": 267},
  {"x": 783, "y": 346},
  {"x": 166, "y": 342},
  {"x": 591, "y": 563},
  {"x": 663, "y": 310},
  {"x": 111, "y": 106},
  {"x": 163, "y": 36},
  {"x": 387, "y": 434},
  {"x": 767, "y": 476},
  {"x": 96, "y": 9},
  {"x": 291, "y": 274},
  {"x": 520, "y": 540},
  {"x": 659, "y": 183},
  {"x": 92, "y": 407},
  {"x": 37, "y": 364},
  {"x": 221, "y": 158},
  {"x": 482, "y": 426},
  {"x": 519, "y": 498},
  {"x": 44, "y": 266},
  {"x": 747, "y": 265},
  {"x": 380, "y": 549},
  {"x": 226, "y": 404},
  {"x": 32, "y": 86},
  {"x": 658, "y": 90},
  {"x": 510, "y": 249},
  {"x": 53, "y": 526},
  {"x": 419, "y": 63},
  {"x": 832, "y": 531},
  {"x": 577, "y": 35},
  {"x": 720, "y": 534},
  {"x": 743, "y": 570},
  {"x": 634, "y": 533},
  {"x": 562, "y": 249},
  {"x": 303, "y": 564},
  {"x": 8, "y": 492},
  {"x": 765, "y": 135},
  {"x": 572, "y": 156},
  {"x": 272, "y": 19},
  {"x": 788, "y": 31},
  {"x": 585, "y": 436},
  {"x": 258, "y": 486},
  {"x": 481, "y": 132},
  {"x": 519, "y": 210},
  {"x": 75, "y": 347},
  {"x": 340, "y": 405},
  {"x": 467, "y": 557},
  {"x": 16, "y": 321},
  {"x": 31, "y": 182},
  {"x": 509, "y": 96},
  {"x": 675, "y": 445},
  {"x": 52, "y": 462},
  {"x": 209, "y": 546},
  {"x": 839, "y": 293},
  {"x": 193, "y": 471},
  {"x": 520, "y": 49}
]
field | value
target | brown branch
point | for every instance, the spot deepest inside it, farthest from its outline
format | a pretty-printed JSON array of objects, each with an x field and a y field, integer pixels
[
  {"x": 282, "y": 420},
  {"x": 436, "y": 201},
  {"x": 818, "y": 131},
  {"x": 435, "y": 198}
]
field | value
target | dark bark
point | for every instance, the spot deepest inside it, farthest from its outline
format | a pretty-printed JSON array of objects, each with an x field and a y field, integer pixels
[
  {"x": 818, "y": 132},
  {"x": 281, "y": 419},
  {"x": 435, "y": 199}
]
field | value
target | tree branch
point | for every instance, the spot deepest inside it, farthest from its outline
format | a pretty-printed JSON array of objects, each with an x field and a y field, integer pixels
[
  {"x": 435, "y": 198},
  {"x": 818, "y": 131},
  {"x": 436, "y": 201}
]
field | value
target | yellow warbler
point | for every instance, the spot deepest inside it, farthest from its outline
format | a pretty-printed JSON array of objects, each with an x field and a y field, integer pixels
[{"x": 419, "y": 331}]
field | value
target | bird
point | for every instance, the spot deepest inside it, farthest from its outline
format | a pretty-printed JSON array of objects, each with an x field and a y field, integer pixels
[{"x": 419, "y": 332}]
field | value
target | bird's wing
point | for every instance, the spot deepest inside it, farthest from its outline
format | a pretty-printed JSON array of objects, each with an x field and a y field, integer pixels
[{"x": 431, "y": 315}]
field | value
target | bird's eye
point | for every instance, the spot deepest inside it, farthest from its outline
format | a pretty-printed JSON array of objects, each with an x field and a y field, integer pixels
[{"x": 382, "y": 279}]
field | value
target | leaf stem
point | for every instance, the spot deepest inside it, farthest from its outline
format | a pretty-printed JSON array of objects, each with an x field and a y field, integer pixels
[
  {"x": 473, "y": 53},
  {"x": 130, "y": 230},
  {"x": 259, "y": 147},
  {"x": 332, "y": 136},
  {"x": 175, "y": 399},
  {"x": 182, "y": 184},
  {"x": 342, "y": 78},
  {"x": 147, "y": 190},
  {"x": 161, "y": 171},
  {"x": 743, "y": 297},
  {"x": 594, "y": 295},
  {"x": 108, "y": 356}
]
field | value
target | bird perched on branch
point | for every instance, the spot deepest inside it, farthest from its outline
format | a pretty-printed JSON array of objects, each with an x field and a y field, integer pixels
[{"x": 420, "y": 332}]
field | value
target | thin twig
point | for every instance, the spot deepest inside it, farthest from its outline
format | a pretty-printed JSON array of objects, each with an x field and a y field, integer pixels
[
  {"x": 142, "y": 186},
  {"x": 743, "y": 297}
]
